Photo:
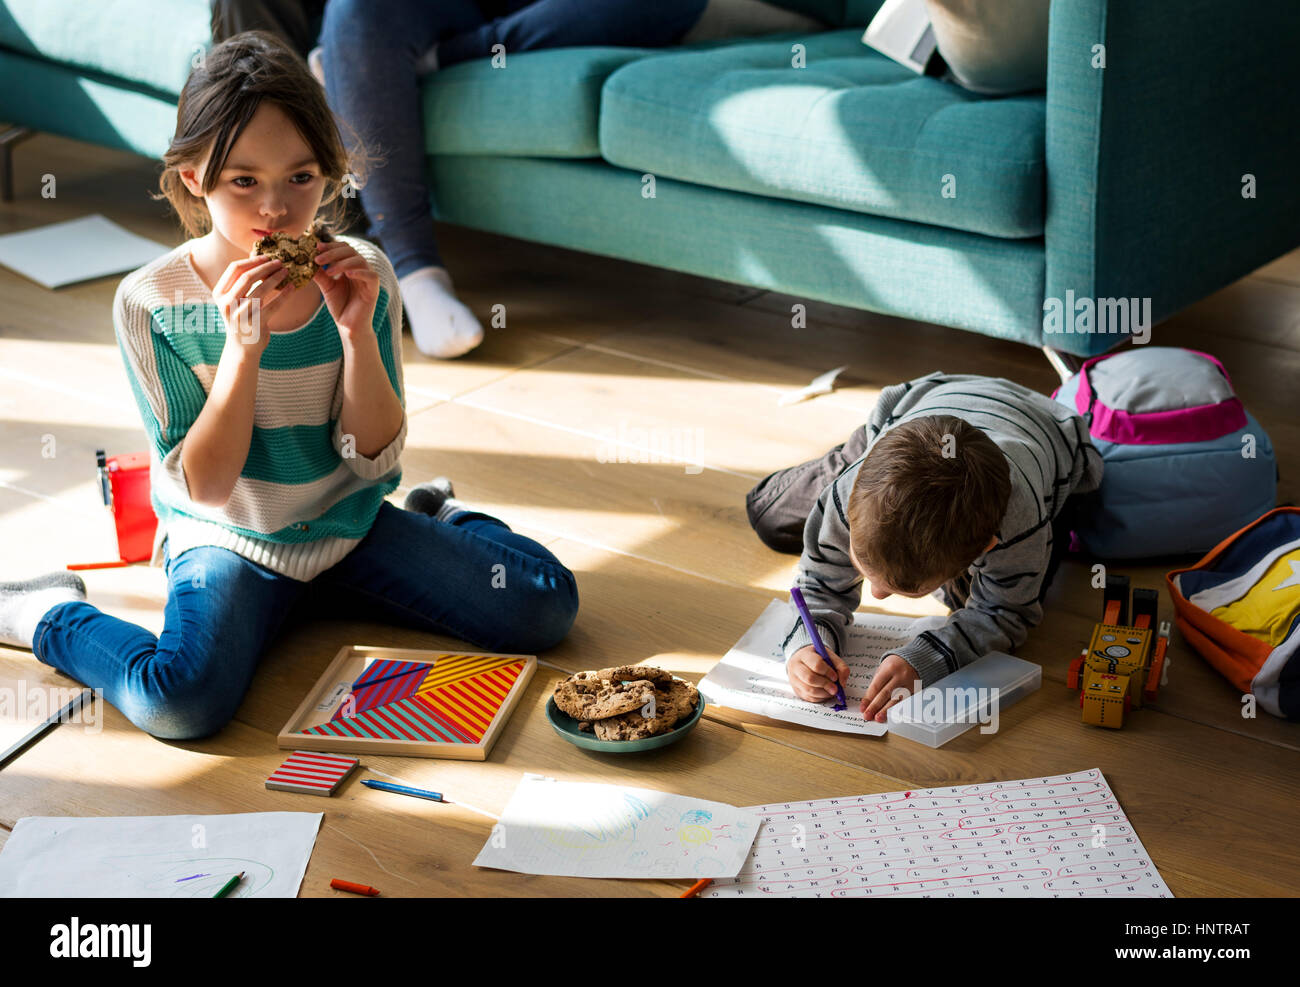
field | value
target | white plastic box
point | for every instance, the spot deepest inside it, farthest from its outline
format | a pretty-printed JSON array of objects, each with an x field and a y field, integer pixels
[{"x": 964, "y": 699}]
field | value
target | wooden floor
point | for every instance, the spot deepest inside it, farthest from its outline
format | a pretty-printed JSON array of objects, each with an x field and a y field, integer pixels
[{"x": 547, "y": 426}]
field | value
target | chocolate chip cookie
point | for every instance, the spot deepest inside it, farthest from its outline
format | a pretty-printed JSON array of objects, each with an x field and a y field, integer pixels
[
  {"x": 626, "y": 702},
  {"x": 587, "y": 697},
  {"x": 298, "y": 253}
]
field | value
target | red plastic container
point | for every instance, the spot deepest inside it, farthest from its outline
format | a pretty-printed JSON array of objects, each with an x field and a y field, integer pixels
[{"x": 128, "y": 478}]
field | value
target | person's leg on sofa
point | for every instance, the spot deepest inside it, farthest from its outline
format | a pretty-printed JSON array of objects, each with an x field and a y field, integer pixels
[
  {"x": 288, "y": 19},
  {"x": 371, "y": 49},
  {"x": 778, "y": 507},
  {"x": 521, "y": 26}
]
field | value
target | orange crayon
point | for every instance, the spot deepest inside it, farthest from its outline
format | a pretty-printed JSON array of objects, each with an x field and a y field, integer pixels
[{"x": 365, "y": 889}]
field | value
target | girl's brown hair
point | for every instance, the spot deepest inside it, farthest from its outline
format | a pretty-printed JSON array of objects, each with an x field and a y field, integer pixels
[{"x": 219, "y": 99}]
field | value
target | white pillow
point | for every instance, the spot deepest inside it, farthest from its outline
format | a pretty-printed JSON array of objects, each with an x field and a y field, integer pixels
[{"x": 993, "y": 46}]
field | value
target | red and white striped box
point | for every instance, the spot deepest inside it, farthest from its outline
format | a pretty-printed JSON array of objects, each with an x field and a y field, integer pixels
[{"x": 311, "y": 773}]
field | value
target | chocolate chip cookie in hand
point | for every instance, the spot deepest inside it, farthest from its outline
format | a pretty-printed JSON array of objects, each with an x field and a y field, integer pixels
[{"x": 298, "y": 253}]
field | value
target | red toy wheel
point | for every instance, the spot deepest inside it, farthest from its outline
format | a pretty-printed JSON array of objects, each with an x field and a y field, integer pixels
[
  {"x": 1153, "y": 677},
  {"x": 1073, "y": 676}
]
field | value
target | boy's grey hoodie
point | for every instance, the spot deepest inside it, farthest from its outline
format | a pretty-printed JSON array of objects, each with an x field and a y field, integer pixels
[{"x": 1050, "y": 458}]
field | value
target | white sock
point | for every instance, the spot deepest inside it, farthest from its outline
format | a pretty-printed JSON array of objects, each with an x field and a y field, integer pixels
[
  {"x": 442, "y": 326},
  {"x": 428, "y": 62},
  {"x": 315, "y": 63},
  {"x": 35, "y": 606},
  {"x": 24, "y": 610}
]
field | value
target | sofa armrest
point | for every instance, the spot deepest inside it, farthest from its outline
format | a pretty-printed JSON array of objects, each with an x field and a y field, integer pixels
[{"x": 1147, "y": 157}]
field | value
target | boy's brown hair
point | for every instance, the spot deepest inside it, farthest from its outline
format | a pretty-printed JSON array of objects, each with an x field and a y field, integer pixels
[
  {"x": 927, "y": 500},
  {"x": 219, "y": 98}
]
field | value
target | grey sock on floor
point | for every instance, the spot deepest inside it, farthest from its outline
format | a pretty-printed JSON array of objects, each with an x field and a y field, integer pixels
[
  {"x": 437, "y": 498},
  {"x": 23, "y": 604},
  {"x": 450, "y": 507}
]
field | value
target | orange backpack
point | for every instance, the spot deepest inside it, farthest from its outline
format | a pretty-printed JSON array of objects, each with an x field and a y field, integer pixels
[{"x": 1239, "y": 607}]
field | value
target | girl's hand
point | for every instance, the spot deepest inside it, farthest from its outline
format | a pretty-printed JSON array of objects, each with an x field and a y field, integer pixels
[
  {"x": 350, "y": 287},
  {"x": 893, "y": 682},
  {"x": 242, "y": 306}
]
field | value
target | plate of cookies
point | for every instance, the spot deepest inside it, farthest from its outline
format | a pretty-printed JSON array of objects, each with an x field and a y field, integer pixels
[{"x": 624, "y": 709}]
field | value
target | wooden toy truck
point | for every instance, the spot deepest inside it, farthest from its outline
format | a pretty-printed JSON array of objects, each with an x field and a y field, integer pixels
[{"x": 1121, "y": 667}]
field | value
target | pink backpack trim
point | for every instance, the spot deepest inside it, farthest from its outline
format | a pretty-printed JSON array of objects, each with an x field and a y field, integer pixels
[{"x": 1202, "y": 423}]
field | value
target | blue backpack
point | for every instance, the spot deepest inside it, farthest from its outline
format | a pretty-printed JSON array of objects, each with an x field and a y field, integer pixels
[{"x": 1185, "y": 464}]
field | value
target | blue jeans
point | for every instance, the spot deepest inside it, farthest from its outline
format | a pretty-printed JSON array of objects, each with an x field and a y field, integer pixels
[
  {"x": 472, "y": 578},
  {"x": 371, "y": 48}
]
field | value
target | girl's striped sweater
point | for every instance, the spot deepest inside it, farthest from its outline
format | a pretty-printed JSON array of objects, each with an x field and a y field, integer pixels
[{"x": 304, "y": 498}]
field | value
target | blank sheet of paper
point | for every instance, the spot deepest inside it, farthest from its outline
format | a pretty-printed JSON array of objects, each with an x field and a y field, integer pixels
[
  {"x": 751, "y": 676},
  {"x": 1059, "y": 837},
  {"x": 158, "y": 856},
  {"x": 76, "y": 250}
]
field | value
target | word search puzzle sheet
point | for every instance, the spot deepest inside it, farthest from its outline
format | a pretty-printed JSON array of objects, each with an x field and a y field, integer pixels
[{"x": 1059, "y": 837}]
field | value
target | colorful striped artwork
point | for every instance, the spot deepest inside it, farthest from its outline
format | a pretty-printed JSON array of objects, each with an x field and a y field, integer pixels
[
  {"x": 381, "y": 669},
  {"x": 470, "y": 703},
  {"x": 453, "y": 667},
  {"x": 371, "y": 690},
  {"x": 406, "y": 719},
  {"x": 311, "y": 773},
  {"x": 451, "y": 701}
]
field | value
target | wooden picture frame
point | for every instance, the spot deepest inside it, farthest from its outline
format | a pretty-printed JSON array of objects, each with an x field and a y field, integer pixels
[{"x": 335, "y": 685}]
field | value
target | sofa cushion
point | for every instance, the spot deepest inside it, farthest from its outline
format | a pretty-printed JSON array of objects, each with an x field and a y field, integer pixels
[
  {"x": 542, "y": 104},
  {"x": 993, "y": 286},
  {"x": 140, "y": 42},
  {"x": 852, "y": 129}
]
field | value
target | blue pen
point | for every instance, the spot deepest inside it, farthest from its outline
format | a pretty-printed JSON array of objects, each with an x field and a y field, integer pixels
[
  {"x": 384, "y": 786},
  {"x": 797, "y": 596}
]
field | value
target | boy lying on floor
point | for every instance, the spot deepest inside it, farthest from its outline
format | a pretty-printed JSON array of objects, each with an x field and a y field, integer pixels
[{"x": 957, "y": 486}]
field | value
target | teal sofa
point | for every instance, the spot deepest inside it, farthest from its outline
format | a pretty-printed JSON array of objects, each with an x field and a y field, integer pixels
[{"x": 848, "y": 180}]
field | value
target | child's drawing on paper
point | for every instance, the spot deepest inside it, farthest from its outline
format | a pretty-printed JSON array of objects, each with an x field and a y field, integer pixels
[
  {"x": 169, "y": 876},
  {"x": 693, "y": 828},
  {"x": 584, "y": 830},
  {"x": 603, "y": 818}
]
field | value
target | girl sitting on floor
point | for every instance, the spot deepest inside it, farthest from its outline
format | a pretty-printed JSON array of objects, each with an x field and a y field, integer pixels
[{"x": 276, "y": 420}]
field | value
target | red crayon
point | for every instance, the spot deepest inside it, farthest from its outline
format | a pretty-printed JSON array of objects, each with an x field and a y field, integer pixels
[{"x": 365, "y": 889}]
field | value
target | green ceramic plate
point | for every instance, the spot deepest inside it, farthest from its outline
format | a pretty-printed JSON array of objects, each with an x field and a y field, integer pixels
[{"x": 567, "y": 727}]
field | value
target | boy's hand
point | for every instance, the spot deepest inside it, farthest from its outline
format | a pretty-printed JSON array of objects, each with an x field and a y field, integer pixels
[
  {"x": 893, "y": 675},
  {"x": 811, "y": 677}
]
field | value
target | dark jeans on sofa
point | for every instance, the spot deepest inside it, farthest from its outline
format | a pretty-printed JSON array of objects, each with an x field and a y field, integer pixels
[
  {"x": 295, "y": 21},
  {"x": 375, "y": 86}
]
